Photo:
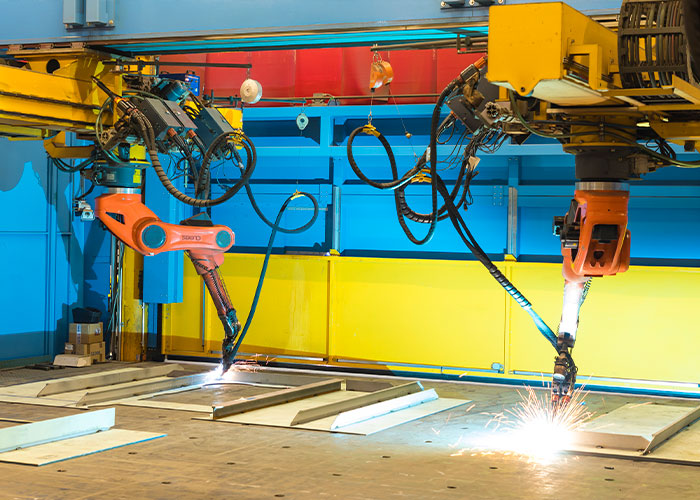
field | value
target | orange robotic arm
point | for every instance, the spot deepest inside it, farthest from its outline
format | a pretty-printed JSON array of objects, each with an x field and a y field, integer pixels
[
  {"x": 205, "y": 243},
  {"x": 138, "y": 227},
  {"x": 594, "y": 234},
  {"x": 595, "y": 242}
]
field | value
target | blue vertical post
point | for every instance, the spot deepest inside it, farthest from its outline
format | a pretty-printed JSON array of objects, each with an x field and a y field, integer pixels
[
  {"x": 335, "y": 203},
  {"x": 513, "y": 182}
]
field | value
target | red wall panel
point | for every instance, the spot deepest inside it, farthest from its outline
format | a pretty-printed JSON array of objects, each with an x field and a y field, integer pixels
[
  {"x": 336, "y": 71},
  {"x": 414, "y": 73},
  {"x": 319, "y": 71},
  {"x": 356, "y": 62},
  {"x": 450, "y": 64},
  {"x": 276, "y": 71},
  {"x": 225, "y": 81}
]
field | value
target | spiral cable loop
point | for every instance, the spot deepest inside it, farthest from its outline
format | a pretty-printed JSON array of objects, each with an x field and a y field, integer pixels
[{"x": 480, "y": 141}]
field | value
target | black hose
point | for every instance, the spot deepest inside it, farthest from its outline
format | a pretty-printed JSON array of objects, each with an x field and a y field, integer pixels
[
  {"x": 464, "y": 178},
  {"x": 256, "y": 208},
  {"x": 71, "y": 169},
  {"x": 168, "y": 185},
  {"x": 397, "y": 184},
  {"x": 432, "y": 148},
  {"x": 275, "y": 228},
  {"x": 369, "y": 130},
  {"x": 438, "y": 186},
  {"x": 471, "y": 243},
  {"x": 87, "y": 192}
]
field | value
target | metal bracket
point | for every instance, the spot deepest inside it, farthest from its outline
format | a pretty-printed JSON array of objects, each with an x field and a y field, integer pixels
[
  {"x": 512, "y": 238},
  {"x": 81, "y": 14},
  {"x": 497, "y": 199},
  {"x": 461, "y": 4}
]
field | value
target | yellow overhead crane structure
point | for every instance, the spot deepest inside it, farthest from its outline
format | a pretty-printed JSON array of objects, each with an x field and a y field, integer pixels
[
  {"x": 562, "y": 76},
  {"x": 53, "y": 90},
  {"x": 551, "y": 52}
]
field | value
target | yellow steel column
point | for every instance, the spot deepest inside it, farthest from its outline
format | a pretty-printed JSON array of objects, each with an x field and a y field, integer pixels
[
  {"x": 132, "y": 342},
  {"x": 508, "y": 265},
  {"x": 330, "y": 315}
]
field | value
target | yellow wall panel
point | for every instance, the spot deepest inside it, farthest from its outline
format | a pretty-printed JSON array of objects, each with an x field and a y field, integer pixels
[
  {"x": 182, "y": 323},
  {"x": 542, "y": 285},
  {"x": 637, "y": 325},
  {"x": 293, "y": 307},
  {"x": 446, "y": 313}
]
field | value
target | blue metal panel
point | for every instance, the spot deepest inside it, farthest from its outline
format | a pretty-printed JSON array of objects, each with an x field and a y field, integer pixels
[
  {"x": 73, "y": 13},
  {"x": 162, "y": 273},
  {"x": 41, "y": 254},
  {"x": 99, "y": 12},
  {"x": 369, "y": 225},
  {"x": 180, "y": 20},
  {"x": 24, "y": 303},
  {"x": 251, "y": 232}
]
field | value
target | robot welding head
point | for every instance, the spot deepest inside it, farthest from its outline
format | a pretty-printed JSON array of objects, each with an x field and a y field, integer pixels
[{"x": 594, "y": 237}]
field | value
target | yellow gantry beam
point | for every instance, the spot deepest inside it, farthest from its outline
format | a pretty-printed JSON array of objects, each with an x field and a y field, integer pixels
[
  {"x": 64, "y": 99},
  {"x": 552, "y": 52}
]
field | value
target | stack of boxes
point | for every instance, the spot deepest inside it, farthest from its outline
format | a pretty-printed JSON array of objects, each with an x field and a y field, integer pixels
[{"x": 85, "y": 339}]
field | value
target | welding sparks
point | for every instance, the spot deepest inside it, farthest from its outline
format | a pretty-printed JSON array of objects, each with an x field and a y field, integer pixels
[
  {"x": 245, "y": 365},
  {"x": 251, "y": 365},
  {"x": 214, "y": 375},
  {"x": 531, "y": 430},
  {"x": 536, "y": 429}
]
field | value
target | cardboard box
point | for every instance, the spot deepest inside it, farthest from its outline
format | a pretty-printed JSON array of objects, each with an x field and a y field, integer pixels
[
  {"x": 85, "y": 349},
  {"x": 72, "y": 360},
  {"x": 98, "y": 357},
  {"x": 85, "y": 333}
]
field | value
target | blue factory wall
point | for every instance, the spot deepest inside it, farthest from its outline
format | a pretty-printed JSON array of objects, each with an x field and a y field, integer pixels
[
  {"x": 537, "y": 177},
  {"x": 41, "y": 254},
  {"x": 50, "y": 262}
]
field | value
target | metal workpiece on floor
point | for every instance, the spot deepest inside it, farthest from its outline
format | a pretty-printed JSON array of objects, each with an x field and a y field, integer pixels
[
  {"x": 453, "y": 453},
  {"x": 283, "y": 396},
  {"x": 100, "y": 388},
  {"x": 55, "y": 440}
]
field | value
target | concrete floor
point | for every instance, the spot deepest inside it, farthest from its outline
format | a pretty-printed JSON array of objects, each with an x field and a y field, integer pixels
[{"x": 201, "y": 459}]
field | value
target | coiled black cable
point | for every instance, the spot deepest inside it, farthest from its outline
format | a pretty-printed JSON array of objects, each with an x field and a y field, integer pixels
[
  {"x": 464, "y": 178},
  {"x": 274, "y": 225},
  {"x": 204, "y": 176},
  {"x": 438, "y": 186},
  {"x": 195, "y": 202},
  {"x": 275, "y": 228},
  {"x": 399, "y": 198},
  {"x": 396, "y": 183}
]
